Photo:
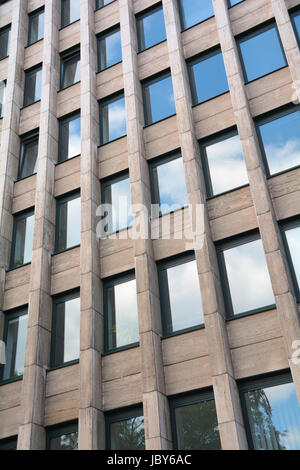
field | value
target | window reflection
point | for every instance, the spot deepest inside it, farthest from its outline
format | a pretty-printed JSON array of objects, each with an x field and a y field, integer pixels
[
  {"x": 128, "y": 434},
  {"x": 158, "y": 99},
  {"x": 117, "y": 193},
  {"x": 70, "y": 11},
  {"x": 15, "y": 344},
  {"x": 28, "y": 156},
  {"x": 2, "y": 97},
  {"x": 293, "y": 240},
  {"x": 33, "y": 86},
  {"x": 296, "y": 21},
  {"x": 69, "y": 137},
  {"x": 70, "y": 69},
  {"x": 68, "y": 221},
  {"x": 112, "y": 119},
  {"x": 4, "y": 42},
  {"x": 36, "y": 27},
  {"x": 103, "y": 3},
  {"x": 22, "y": 239},
  {"x": 234, "y": 2},
  {"x": 109, "y": 49},
  {"x": 151, "y": 28},
  {"x": 194, "y": 11}
]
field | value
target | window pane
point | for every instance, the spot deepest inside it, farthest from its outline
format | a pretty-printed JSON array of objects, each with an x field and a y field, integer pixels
[
  {"x": 110, "y": 50},
  {"x": 28, "y": 158},
  {"x": 159, "y": 100},
  {"x": 70, "y": 11},
  {"x": 170, "y": 185},
  {"x": 4, "y": 42},
  {"x": 226, "y": 165},
  {"x": 113, "y": 120},
  {"x": 103, "y": 3},
  {"x": 22, "y": 244},
  {"x": 2, "y": 97},
  {"x": 128, "y": 434},
  {"x": 33, "y": 86},
  {"x": 36, "y": 27},
  {"x": 281, "y": 141},
  {"x": 15, "y": 347},
  {"x": 69, "y": 223},
  {"x": 274, "y": 417},
  {"x": 297, "y": 25},
  {"x": 151, "y": 28},
  {"x": 234, "y": 2},
  {"x": 293, "y": 240},
  {"x": 195, "y": 11},
  {"x": 122, "y": 315},
  {"x": 197, "y": 426},
  {"x": 71, "y": 71},
  {"x": 248, "y": 277},
  {"x": 67, "y": 331},
  {"x": 208, "y": 78},
  {"x": 69, "y": 138},
  {"x": 65, "y": 442},
  {"x": 118, "y": 195},
  {"x": 262, "y": 54},
  {"x": 185, "y": 297}
]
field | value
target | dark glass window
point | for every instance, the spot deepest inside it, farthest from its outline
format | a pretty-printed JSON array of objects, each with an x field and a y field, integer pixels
[
  {"x": 121, "y": 314},
  {"x": 151, "y": 28},
  {"x": 296, "y": 23},
  {"x": 158, "y": 98},
  {"x": 245, "y": 275},
  {"x": 69, "y": 137},
  {"x": 66, "y": 329},
  {"x": 234, "y": 2},
  {"x": 64, "y": 437},
  {"x": 36, "y": 26},
  {"x": 70, "y": 12},
  {"x": 103, "y": 3},
  {"x": 207, "y": 77},
  {"x": 109, "y": 49},
  {"x": 194, "y": 11},
  {"x": 168, "y": 183},
  {"x": 194, "y": 422},
  {"x": 224, "y": 164},
  {"x": 112, "y": 119},
  {"x": 280, "y": 139},
  {"x": 70, "y": 68},
  {"x": 22, "y": 241},
  {"x": 180, "y": 296},
  {"x": 28, "y": 155},
  {"x": 261, "y": 53},
  {"x": 9, "y": 444},
  {"x": 2, "y": 97},
  {"x": 116, "y": 191},
  {"x": 33, "y": 85},
  {"x": 15, "y": 332},
  {"x": 68, "y": 222},
  {"x": 291, "y": 233},
  {"x": 4, "y": 42},
  {"x": 272, "y": 413},
  {"x": 125, "y": 430}
]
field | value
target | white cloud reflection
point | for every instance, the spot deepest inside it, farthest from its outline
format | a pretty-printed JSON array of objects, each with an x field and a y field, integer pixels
[
  {"x": 126, "y": 313},
  {"x": 282, "y": 157}
]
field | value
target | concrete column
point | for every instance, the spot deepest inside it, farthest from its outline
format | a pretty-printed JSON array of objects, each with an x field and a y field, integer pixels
[
  {"x": 155, "y": 404},
  {"x": 232, "y": 432},
  {"x": 269, "y": 231},
  {"x": 37, "y": 356},
  {"x": 91, "y": 418}
]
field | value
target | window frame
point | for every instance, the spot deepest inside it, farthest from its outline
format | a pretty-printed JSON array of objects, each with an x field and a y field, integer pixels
[
  {"x": 2, "y": 31},
  {"x": 70, "y": 196},
  {"x": 62, "y": 120},
  {"x": 283, "y": 226},
  {"x": 151, "y": 81},
  {"x": 103, "y": 35},
  {"x": 26, "y": 139},
  {"x": 60, "y": 429},
  {"x": 104, "y": 102},
  {"x": 17, "y": 217},
  {"x": 221, "y": 246},
  {"x": 120, "y": 414},
  {"x": 28, "y": 72},
  {"x": 65, "y": 56},
  {"x": 4, "y": 102},
  {"x": 139, "y": 19},
  {"x": 181, "y": 17},
  {"x": 31, "y": 15}
]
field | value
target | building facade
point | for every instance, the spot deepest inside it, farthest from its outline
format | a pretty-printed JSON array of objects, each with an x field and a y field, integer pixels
[{"x": 188, "y": 338}]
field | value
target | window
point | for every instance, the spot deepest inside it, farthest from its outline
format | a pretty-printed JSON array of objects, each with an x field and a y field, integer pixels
[
  {"x": 109, "y": 49},
  {"x": 116, "y": 191},
  {"x": 280, "y": 141},
  {"x": 65, "y": 329},
  {"x": 69, "y": 137},
  {"x": 70, "y": 68},
  {"x": 36, "y": 26},
  {"x": 70, "y": 12},
  {"x": 291, "y": 236},
  {"x": 245, "y": 276},
  {"x": 103, "y": 3},
  {"x": 33, "y": 85},
  {"x": 121, "y": 314},
  {"x": 207, "y": 77},
  {"x": 194, "y": 11},
  {"x": 4, "y": 42},
  {"x": 234, "y": 2},
  {"x": 125, "y": 429},
  {"x": 8, "y": 444},
  {"x": 180, "y": 297},
  {"x": 296, "y": 24},
  {"x": 112, "y": 119},
  {"x": 2, "y": 97},
  {"x": 194, "y": 422},
  {"x": 168, "y": 183},
  {"x": 223, "y": 164},
  {"x": 68, "y": 222},
  {"x": 261, "y": 53},
  {"x": 22, "y": 240},
  {"x": 63, "y": 437},
  {"x": 15, "y": 332},
  {"x": 158, "y": 98},
  {"x": 271, "y": 413},
  {"x": 151, "y": 28},
  {"x": 28, "y": 155}
]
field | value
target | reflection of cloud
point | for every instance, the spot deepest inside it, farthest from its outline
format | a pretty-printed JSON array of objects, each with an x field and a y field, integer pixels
[
  {"x": 117, "y": 119},
  {"x": 121, "y": 202},
  {"x": 171, "y": 180},
  {"x": 72, "y": 330},
  {"x": 281, "y": 157},
  {"x": 293, "y": 238},
  {"x": 292, "y": 439},
  {"x": 73, "y": 222},
  {"x": 74, "y": 138},
  {"x": 126, "y": 313},
  {"x": 279, "y": 393}
]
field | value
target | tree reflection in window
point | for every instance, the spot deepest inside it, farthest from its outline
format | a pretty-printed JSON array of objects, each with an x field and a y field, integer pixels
[{"x": 128, "y": 434}]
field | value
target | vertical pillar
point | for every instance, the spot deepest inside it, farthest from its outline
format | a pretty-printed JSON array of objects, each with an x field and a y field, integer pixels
[
  {"x": 155, "y": 404},
  {"x": 232, "y": 432},
  {"x": 91, "y": 418}
]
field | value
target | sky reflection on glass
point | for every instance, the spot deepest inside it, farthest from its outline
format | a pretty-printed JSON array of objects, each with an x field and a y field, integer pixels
[
  {"x": 151, "y": 29},
  {"x": 293, "y": 240},
  {"x": 113, "y": 120},
  {"x": 195, "y": 11},
  {"x": 121, "y": 205},
  {"x": 160, "y": 102},
  {"x": 110, "y": 49},
  {"x": 171, "y": 185},
  {"x": 72, "y": 330},
  {"x": 15, "y": 347},
  {"x": 126, "y": 314}
]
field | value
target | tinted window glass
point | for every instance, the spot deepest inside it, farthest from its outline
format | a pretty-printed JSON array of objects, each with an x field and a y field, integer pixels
[
  {"x": 70, "y": 11},
  {"x": 22, "y": 239},
  {"x": 2, "y": 97},
  {"x": 33, "y": 86},
  {"x": 281, "y": 142},
  {"x": 293, "y": 241},
  {"x": 262, "y": 53},
  {"x": 195, "y": 11},
  {"x": 69, "y": 138},
  {"x": 15, "y": 339},
  {"x": 151, "y": 28},
  {"x": 70, "y": 70},
  {"x": 63, "y": 438},
  {"x": 4, "y": 42},
  {"x": 8, "y": 444},
  {"x": 234, "y": 2},
  {"x": 36, "y": 27},
  {"x": 68, "y": 220},
  {"x": 127, "y": 432},
  {"x": 158, "y": 99},
  {"x": 117, "y": 193},
  {"x": 109, "y": 49},
  {"x": 28, "y": 156},
  {"x": 103, "y": 3},
  {"x": 296, "y": 19},
  {"x": 112, "y": 119}
]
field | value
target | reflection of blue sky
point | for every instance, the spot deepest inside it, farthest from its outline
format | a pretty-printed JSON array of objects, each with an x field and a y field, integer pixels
[
  {"x": 195, "y": 11},
  {"x": 154, "y": 28},
  {"x": 38, "y": 85},
  {"x": 293, "y": 239},
  {"x": 297, "y": 24},
  {"x": 185, "y": 296},
  {"x": 126, "y": 314},
  {"x": 226, "y": 165},
  {"x": 162, "y": 99},
  {"x": 74, "y": 147},
  {"x": 171, "y": 182},
  {"x": 28, "y": 239},
  {"x": 262, "y": 54},
  {"x": 121, "y": 205},
  {"x": 72, "y": 330},
  {"x": 248, "y": 277},
  {"x": 113, "y": 49},
  {"x": 234, "y": 2},
  {"x": 74, "y": 10},
  {"x": 281, "y": 139},
  {"x": 73, "y": 222},
  {"x": 210, "y": 77},
  {"x": 116, "y": 119}
]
